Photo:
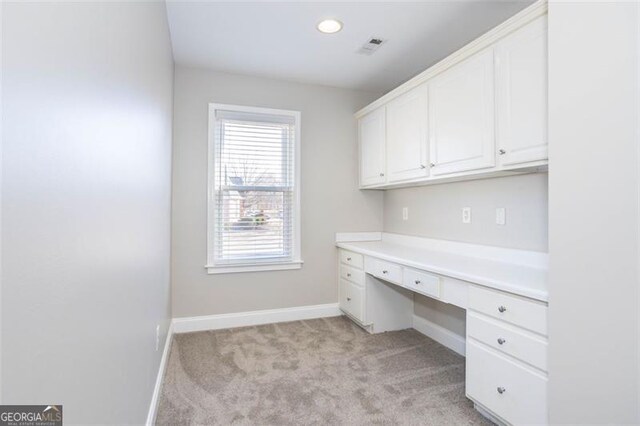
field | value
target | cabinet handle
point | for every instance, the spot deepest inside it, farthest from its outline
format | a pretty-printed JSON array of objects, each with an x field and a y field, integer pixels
[
  {"x": 385, "y": 272},
  {"x": 501, "y": 341},
  {"x": 348, "y": 274},
  {"x": 418, "y": 282},
  {"x": 381, "y": 174},
  {"x": 501, "y": 309},
  {"x": 501, "y": 390},
  {"x": 422, "y": 166},
  {"x": 502, "y": 152},
  {"x": 348, "y": 299},
  {"x": 348, "y": 259},
  {"x": 432, "y": 165}
]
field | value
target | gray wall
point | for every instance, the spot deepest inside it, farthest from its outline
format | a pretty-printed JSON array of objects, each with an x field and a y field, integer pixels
[
  {"x": 436, "y": 212},
  {"x": 87, "y": 108},
  {"x": 330, "y": 199},
  {"x": 593, "y": 212}
]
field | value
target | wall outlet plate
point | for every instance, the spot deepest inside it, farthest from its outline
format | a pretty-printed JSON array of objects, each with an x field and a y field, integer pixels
[
  {"x": 501, "y": 216},
  {"x": 466, "y": 215}
]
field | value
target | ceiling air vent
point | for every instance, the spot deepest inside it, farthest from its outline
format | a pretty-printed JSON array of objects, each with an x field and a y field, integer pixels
[{"x": 371, "y": 46}]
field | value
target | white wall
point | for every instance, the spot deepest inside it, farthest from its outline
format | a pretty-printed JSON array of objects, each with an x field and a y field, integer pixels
[
  {"x": 87, "y": 108},
  {"x": 593, "y": 212},
  {"x": 330, "y": 199}
]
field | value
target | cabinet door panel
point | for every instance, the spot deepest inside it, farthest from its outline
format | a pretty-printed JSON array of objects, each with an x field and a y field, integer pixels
[
  {"x": 371, "y": 130},
  {"x": 461, "y": 116},
  {"x": 521, "y": 78},
  {"x": 407, "y": 136}
]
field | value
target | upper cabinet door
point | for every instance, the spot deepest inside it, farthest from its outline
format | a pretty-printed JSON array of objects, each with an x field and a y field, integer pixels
[
  {"x": 461, "y": 116},
  {"x": 521, "y": 78},
  {"x": 407, "y": 156},
  {"x": 371, "y": 131}
]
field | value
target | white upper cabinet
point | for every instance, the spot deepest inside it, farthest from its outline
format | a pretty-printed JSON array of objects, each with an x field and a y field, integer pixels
[
  {"x": 407, "y": 149},
  {"x": 521, "y": 80},
  {"x": 371, "y": 131},
  {"x": 480, "y": 112},
  {"x": 461, "y": 116}
]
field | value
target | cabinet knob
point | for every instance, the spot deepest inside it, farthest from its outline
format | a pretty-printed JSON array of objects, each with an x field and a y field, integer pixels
[
  {"x": 422, "y": 166},
  {"x": 501, "y": 309},
  {"x": 348, "y": 299},
  {"x": 501, "y": 390},
  {"x": 418, "y": 282},
  {"x": 348, "y": 274},
  {"x": 502, "y": 152},
  {"x": 385, "y": 272},
  {"x": 501, "y": 341},
  {"x": 381, "y": 174},
  {"x": 348, "y": 259},
  {"x": 432, "y": 164}
]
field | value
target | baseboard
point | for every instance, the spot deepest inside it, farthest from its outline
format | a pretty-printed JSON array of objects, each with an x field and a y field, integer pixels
[
  {"x": 151, "y": 416},
  {"x": 445, "y": 337},
  {"x": 244, "y": 319}
]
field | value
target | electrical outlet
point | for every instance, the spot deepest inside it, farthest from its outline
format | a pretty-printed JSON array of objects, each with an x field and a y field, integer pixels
[
  {"x": 405, "y": 213},
  {"x": 466, "y": 215},
  {"x": 501, "y": 216},
  {"x": 157, "y": 338}
]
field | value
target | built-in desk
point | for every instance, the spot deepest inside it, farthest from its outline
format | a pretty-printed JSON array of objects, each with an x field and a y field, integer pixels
[{"x": 503, "y": 291}]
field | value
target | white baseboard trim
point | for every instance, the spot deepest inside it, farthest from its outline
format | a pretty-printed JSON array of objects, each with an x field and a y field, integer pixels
[
  {"x": 244, "y": 319},
  {"x": 153, "y": 406},
  {"x": 445, "y": 337}
]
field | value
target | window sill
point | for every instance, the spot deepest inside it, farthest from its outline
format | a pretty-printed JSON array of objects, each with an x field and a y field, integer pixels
[{"x": 253, "y": 267}]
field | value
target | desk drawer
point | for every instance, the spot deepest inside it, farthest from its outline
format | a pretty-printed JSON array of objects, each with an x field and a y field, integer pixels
[
  {"x": 508, "y": 339},
  {"x": 353, "y": 259},
  {"x": 352, "y": 299},
  {"x": 384, "y": 270},
  {"x": 422, "y": 282},
  {"x": 352, "y": 274},
  {"x": 528, "y": 314},
  {"x": 512, "y": 392}
]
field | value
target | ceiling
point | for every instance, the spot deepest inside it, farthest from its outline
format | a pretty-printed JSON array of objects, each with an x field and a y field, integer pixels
[{"x": 280, "y": 39}]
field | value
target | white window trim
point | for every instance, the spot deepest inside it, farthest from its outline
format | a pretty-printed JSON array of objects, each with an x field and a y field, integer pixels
[{"x": 296, "y": 261}]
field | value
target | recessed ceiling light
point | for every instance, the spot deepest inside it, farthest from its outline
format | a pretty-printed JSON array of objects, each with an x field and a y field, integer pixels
[{"x": 330, "y": 26}]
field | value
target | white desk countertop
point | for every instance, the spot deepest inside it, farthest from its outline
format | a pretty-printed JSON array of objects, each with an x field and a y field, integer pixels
[{"x": 515, "y": 271}]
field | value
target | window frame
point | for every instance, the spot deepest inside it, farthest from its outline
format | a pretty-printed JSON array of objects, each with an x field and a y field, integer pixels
[{"x": 255, "y": 265}]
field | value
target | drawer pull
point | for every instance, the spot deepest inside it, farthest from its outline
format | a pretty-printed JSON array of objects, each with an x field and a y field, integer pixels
[
  {"x": 348, "y": 299},
  {"x": 501, "y": 341},
  {"x": 348, "y": 274},
  {"x": 348, "y": 259},
  {"x": 385, "y": 272},
  {"x": 418, "y": 282},
  {"x": 501, "y": 390},
  {"x": 502, "y": 309}
]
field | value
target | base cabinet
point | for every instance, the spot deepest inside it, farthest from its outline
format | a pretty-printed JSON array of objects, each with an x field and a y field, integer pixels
[
  {"x": 507, "y": 356},
  {"x": 506, "y": 341},
  {"x": 507, "y": 389}
]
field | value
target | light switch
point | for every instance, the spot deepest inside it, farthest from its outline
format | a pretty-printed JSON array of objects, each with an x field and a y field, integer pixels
[
  {"x": 501, "y": 216},
  {"x": 405, "y": 213},
  {"x": 466, "y": 215}
]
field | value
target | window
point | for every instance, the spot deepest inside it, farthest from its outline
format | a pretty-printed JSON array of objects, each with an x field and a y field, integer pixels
[{"x": 254, "y": 189}]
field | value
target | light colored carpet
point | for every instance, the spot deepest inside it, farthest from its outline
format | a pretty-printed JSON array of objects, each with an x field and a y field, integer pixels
[{"x": 323, "y": 371}]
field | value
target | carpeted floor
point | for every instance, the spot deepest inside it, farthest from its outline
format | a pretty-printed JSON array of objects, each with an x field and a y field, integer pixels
[{"x": 323, "y": 371}]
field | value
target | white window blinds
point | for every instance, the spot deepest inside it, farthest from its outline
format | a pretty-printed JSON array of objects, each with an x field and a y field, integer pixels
[{"x": 255, "y": 196}]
